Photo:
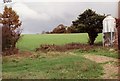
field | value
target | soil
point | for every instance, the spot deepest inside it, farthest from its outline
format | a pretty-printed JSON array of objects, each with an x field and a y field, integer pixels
[
  {"x": 20, "y": 54},
  {"x": 99, "y": 59},
  {"x": 108, "y": 63},
  {"x": 66, "y": 47}
]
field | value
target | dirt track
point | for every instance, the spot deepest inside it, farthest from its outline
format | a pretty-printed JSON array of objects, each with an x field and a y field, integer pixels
[{"x": 109, "y": 65}]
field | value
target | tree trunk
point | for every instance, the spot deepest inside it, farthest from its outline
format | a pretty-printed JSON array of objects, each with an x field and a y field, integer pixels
[{"x": 92, "y": 36}]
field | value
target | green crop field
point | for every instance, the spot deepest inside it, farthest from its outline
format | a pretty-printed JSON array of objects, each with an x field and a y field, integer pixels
[{"x": 32, "y": 41}]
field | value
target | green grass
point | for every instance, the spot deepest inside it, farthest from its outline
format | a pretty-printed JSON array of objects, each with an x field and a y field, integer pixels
[
  {"x": 51, "y": 66},
  {"x": 32, "y": 41},
  {"x": 55, "y": 65},
  {"x": 99, "y": 51}
]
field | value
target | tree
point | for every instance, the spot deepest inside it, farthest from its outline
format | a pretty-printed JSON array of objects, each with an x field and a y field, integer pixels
[
  {"x": 89, "y": 22},
  {"x": 59, "y": 29},
  {"x": 71, "y": 29},
  {"x": 11, "y": 29}
]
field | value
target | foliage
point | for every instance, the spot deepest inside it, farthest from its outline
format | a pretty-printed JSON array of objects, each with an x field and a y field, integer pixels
[
  {"x": 91, "y": 22},
  {"x": 11, "y": 29},
  {"x": 59, "y": 29},
  {"x": 63, "y": 29},
  {"x": 71, "y": 29}
]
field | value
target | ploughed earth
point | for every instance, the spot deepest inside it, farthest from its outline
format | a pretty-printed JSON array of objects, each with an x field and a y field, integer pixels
[{"x": 66, "y": 47}]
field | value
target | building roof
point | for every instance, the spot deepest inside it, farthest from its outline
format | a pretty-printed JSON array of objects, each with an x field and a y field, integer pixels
[{"x": 109, "y": 24}]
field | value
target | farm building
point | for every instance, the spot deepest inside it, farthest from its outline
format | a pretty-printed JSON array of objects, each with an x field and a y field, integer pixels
[{"x": 109, "y": 31}]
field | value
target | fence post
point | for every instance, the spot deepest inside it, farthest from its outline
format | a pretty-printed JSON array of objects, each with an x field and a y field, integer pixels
[
  {"x": 119, "y": 29},
  {"x": 119, "y": 39}
]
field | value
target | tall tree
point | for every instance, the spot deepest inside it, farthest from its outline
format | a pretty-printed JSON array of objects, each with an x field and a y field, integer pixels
[
  {"x": 11, "y": 29},
  {"x": 90, "y": 22}
]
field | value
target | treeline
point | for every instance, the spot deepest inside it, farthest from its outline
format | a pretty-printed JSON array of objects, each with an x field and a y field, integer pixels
[
  {"x": 61, "y": 29},
  {"x": 87, "y": 22}
]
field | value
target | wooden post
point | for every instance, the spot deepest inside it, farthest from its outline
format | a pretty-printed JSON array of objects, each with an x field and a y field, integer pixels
[
  {"x": 119, "y": 42},
  {"x": 119, "y": 29},
  {"x": 0, "y": 54},
  {"x": 111, "y": 40},
  {"x": 119, "y": 39},
  {"x": 0, "y": 40},
  {"x": 0, "y": 34},
  {"x": 118, "y": 51}
]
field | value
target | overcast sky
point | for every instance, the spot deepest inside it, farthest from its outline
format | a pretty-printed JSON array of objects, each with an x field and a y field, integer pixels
[{"x": 44, "y": 16}]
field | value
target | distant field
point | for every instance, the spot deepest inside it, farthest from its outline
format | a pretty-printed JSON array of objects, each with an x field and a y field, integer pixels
[{"x": 32, "y": 41}]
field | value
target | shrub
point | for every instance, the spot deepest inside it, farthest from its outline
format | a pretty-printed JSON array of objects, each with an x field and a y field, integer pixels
[{"x": 11, "y": 30}]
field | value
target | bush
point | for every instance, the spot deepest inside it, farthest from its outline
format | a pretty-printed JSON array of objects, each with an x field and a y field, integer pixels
[{"x": 11, "y": 30}]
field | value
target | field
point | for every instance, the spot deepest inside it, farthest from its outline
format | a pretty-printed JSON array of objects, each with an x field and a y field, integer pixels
[
  {"x": 30, "y": 42},
  {"x": 71, "y": 64}
]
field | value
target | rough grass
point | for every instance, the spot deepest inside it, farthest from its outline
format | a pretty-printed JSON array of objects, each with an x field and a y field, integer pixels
[
  {"x": 32, "y": 41},
  {"x": 99, "y": 51},
  {"x": 53, "y": 65}
]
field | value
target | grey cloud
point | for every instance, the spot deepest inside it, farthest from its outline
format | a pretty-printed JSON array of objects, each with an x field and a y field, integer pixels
[{"x": 63, "y": 13}]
